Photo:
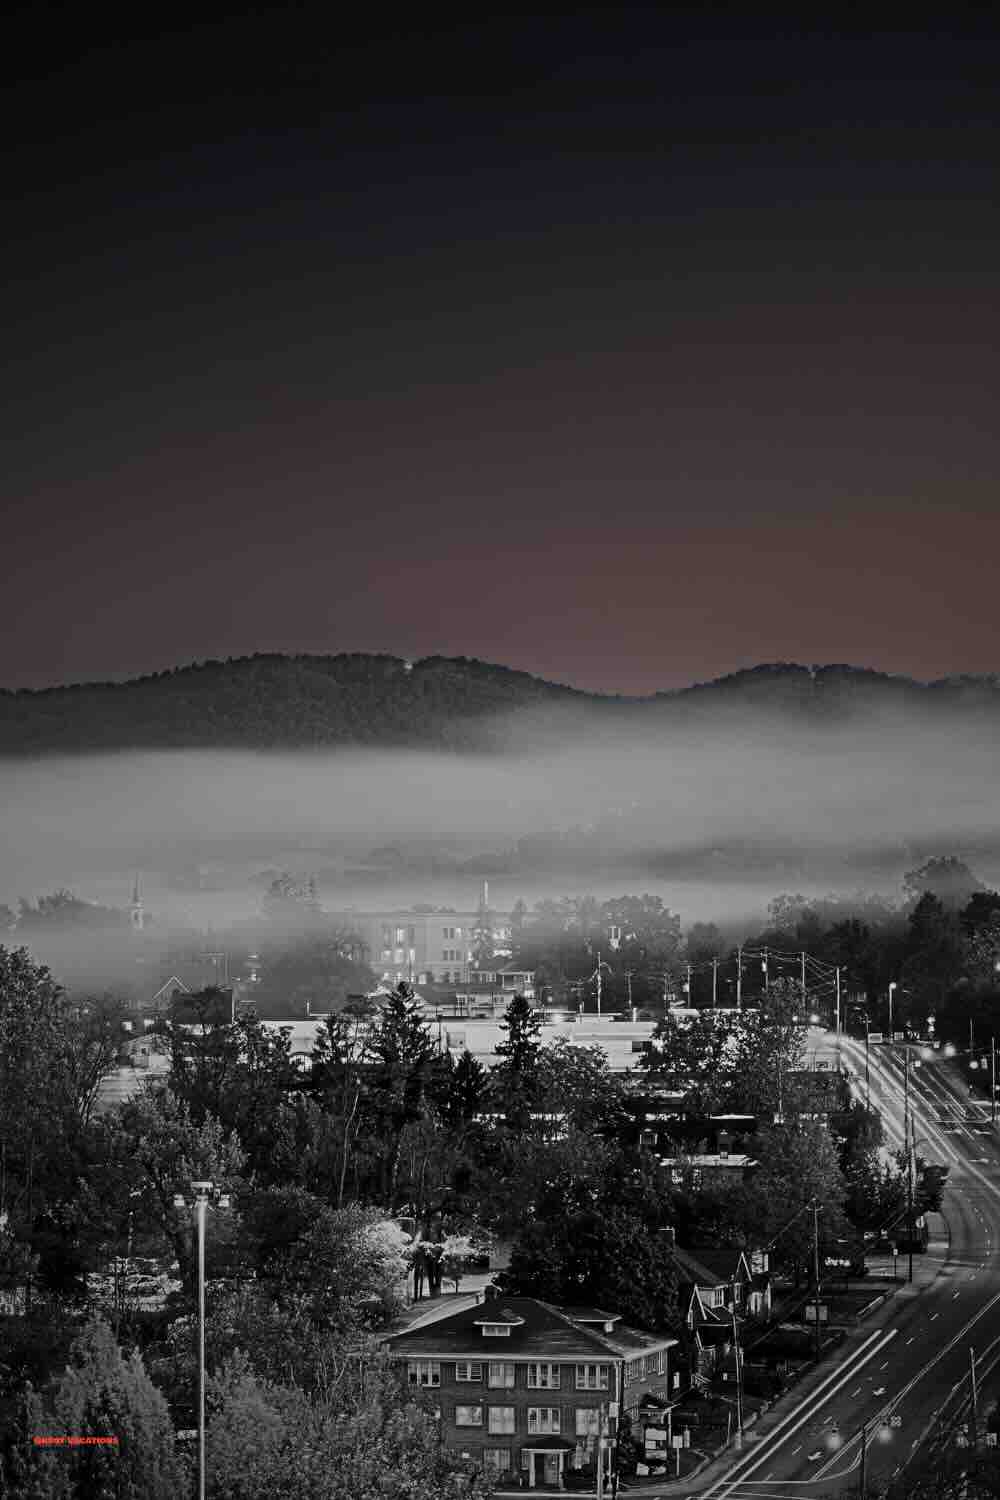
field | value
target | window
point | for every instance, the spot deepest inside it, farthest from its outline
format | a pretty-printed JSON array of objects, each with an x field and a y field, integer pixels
[
  {"x": 424, "y": 1372},
  {"x": 411, "y": 934},
  {"x": 502, "y": 1419},
  {"x": 501, "y": 1372},
  {"x": 588, "y": 1421},
  {"x": 592, "y": 1377},
  {"x": 543, "y": 1377},
  {"x": 468, "y": 1416},
  {"x": 717, "y": 1297},
  {"x": 497, "y": 1459},
  {"x": 496, "y": 1330},
  {"x": 468, "y": 1369},
  {"x": 543, "y": 1419},
  {"x": 387, "y": 937},
  {"x": 386, "y": 955},
  {"x": 400, "y": 935}
]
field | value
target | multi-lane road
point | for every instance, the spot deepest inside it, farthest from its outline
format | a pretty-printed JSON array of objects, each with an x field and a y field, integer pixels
[{"x": 906, "y": 1378}]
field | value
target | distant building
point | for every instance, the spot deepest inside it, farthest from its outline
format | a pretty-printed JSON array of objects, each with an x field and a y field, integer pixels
[{"x": 417, "y": 946}]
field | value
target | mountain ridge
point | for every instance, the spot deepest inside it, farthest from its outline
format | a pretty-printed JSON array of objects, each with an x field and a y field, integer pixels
[{"x": 279, "y": 701}]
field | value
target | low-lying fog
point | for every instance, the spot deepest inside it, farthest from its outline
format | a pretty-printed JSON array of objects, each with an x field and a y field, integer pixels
[{"x": 716, "y": 824}]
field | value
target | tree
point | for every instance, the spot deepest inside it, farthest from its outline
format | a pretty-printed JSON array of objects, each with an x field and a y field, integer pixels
[
  {"x": 594, "y": 1238},
  {"x": 153, "y": 1147},
  {"x": 516, "y": 1084},
  {"x": 46, "y": 1093},
  {"x": 798, "y": 1166},
  {"x": 947, "y": 879},
  {"x": 577, "y": 1084},
  {"x": 362, "y": 1436},
  {"x": 313, "y": 972},
  {"x": 101, "y": 1394},
  {"x": 402, "y": 1054},
  {"x": 687, "y": 1054}
]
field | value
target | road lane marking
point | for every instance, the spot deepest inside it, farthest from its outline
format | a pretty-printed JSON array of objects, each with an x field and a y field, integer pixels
[
  {"x": 910, "y": 1341},
  {"x": 812, "y": 1457},
  {"x": 934, "y": 1315},
  {"x": 885, "y": 1366},
  {"x": 872, "y": 1347},
  {"x": 853, "y": 1394},
  {"x": 797, "y": 1450},
  {"x": 956, "y": 1294}
]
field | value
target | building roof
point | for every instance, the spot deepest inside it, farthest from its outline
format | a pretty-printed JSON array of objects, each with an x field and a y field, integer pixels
[
  {"x": 725, "y": 1262},
  {"x": 693, "y": 1270},
  {"x": 546, "y": 1332}
]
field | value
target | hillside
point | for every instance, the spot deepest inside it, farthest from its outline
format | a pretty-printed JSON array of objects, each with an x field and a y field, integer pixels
[{"x": 272, "y": 702}]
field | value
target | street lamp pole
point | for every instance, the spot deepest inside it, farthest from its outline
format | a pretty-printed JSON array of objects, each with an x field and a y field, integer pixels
[
  {"x": 204, "y": 1193},
  {"x": 892, "y": 987},
  {"x": 201, "y": 1207}
]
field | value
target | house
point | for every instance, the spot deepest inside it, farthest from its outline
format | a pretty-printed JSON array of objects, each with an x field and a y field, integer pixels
[
  {"x": 526, "y": 1388},
  {"x": 708, "y": 1313},
  {"x": 751, "y": 1288}
]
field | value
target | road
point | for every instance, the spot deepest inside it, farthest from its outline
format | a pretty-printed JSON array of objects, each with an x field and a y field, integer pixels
[{"x": 907, "y": 1376}]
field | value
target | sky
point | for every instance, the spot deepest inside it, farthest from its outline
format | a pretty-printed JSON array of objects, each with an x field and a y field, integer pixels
[{"x": 628, "y": 348}]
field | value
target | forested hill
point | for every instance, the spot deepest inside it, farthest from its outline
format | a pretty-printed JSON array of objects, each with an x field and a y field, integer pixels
[{"x": 273, "y": 701}]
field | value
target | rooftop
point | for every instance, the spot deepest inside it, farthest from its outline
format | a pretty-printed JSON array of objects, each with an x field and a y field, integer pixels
[{"x": 539, "y": 1330}]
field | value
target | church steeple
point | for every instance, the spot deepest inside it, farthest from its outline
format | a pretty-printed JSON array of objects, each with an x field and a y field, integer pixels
[{"x": 137, "y": 916}]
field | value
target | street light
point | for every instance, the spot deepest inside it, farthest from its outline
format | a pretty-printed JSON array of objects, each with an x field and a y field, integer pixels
[
  {"x": 893, "y": 986},
  {"x": 204, "y": 1194}
]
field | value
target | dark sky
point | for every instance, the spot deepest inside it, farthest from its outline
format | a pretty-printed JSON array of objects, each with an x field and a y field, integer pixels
[{"x": 628, "y": 349}]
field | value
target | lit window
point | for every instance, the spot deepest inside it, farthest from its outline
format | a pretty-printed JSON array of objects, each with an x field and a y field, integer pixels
[
  {"x": 543, "y": 1419},
  {"x": 424, "y": 1372},
  {"x": 592, "y": 1377},
  {"x": 501, "y": 1373},
  {"x": 468, "y": 1370},
  {"x": 468, "y": 1416},
  {"x": 543, "y": 1377},
  {"x": 588, "y": 1421},
  {"x": 502, "y": 1419}
]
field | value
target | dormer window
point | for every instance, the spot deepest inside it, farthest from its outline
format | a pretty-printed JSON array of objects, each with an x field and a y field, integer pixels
[{"x": 498, "y": 1326}]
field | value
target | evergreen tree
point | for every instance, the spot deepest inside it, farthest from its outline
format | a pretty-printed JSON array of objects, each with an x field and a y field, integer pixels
[{"x": 516, "y": 1083}]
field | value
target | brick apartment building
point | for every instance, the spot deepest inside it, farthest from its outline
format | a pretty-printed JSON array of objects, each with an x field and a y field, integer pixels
[{"x": 532, "y": 1390}]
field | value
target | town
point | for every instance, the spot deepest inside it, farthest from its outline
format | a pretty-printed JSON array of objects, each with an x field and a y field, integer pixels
[{"x": 566, "y": 1198}]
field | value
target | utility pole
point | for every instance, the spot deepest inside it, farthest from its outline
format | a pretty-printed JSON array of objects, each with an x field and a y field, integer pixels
[
  {"x": 763, "y": 964},
  {"x": 600, "y": 1455},
  {"x": 993, "y": 1080},
  {"x": 837, "y": 1028},
  {"x": 910, "y": 1168},
  {"x": 687, "y": 983},
  {"x": 972, "y": 1045},
  {"x": 816, "y": 1272},
  {"x": 598, "y": 981},
  {"x": 802, "y": 957},
  {"x": 868, "y": 1080},
  {"x": 628, "y": 987},
  {"x": 739, "y": 1375},
  {"x": 739, "y": 978},
  {"x": 715, "y": 982},
  {"x": 974, "y": 1407},
  {"x": 863, "y": 1487}
]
